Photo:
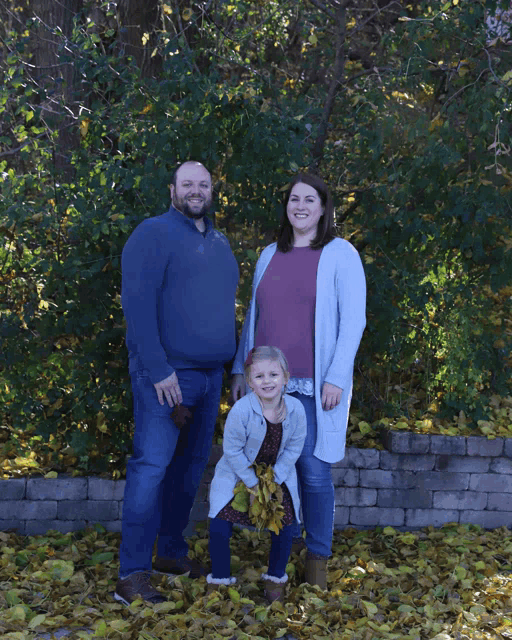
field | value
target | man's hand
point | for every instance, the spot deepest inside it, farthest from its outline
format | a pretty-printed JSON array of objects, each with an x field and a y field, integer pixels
[
  {"x": 331, "y": 396},
  {"x": 237, "y": 386},
  {"x": 169, "y": 389}
]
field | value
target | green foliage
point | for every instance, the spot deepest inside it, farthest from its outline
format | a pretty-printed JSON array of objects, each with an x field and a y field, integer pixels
[
  {"x": 417, "y": 153},
  {"x": 431, "y": 182},
  {"x": 62, "y": 365}
]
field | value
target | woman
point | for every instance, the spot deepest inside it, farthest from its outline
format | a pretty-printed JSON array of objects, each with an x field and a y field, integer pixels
[{"x": 308, "y": 299}]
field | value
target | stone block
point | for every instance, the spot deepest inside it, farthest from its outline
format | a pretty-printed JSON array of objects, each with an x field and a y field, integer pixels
[
  {"x": 105, "y": 489},
  {"x": 500, "y": 502},
  {"x": 57, "y": 488},
  {"x": 199, "y": 511},
  {"x": 28, "y": 509},
  {"x": 407, "y": 462},
  {"x": 377, "y": 517},
  {"x": 208, "y": 475},
  {"x": 473, "y": 500},
  {"x": 90, "y": 510},
  {"x": 507, "y": 449},
  {"x": 461, "y": 464},
  {"x": 491, "y": 482},
  {"x": 386, "y": 479},
  {"x": 448, "y": 445},
  {"x": 41, "y": 527},
  {"x": 13, "y": 488},
  {"x": 419, "y": 518},
  {"x": 501, "y": 465},
  {"x": 13, "y": 525},
  {"x": 406, "y": 442},
  {"x": 341, "y": 517},
  {"x": 487, "y": 519},
  {"x": 215, "y": 455},
  {"x": 412, "y": 498},
  {"x": 348, "y": 497},
  {"x": 441, "y": 480},
  {"x": 203, "y": 492},
  {"x": 111, "y": 525},
  {"x": 359, "y": 459},
  {"x": 345, "y": 477},
  {"x": 481, "y": 446}
]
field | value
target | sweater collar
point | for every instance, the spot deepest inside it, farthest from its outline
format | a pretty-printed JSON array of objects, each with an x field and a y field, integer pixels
[{"x": 188, "y": 221}]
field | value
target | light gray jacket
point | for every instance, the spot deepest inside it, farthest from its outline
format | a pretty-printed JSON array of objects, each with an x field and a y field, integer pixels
[
  {"x": 244, "y": 433},
  {"x": 339, "y": 324}
]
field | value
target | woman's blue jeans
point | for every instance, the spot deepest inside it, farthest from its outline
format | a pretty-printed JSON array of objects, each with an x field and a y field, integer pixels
[
  {"x": 165, "y": 470},
  {"x": 315, "y": 487}
]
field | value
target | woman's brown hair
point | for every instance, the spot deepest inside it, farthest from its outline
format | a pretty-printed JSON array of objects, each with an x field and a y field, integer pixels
[{"x": 326, "y": 229}]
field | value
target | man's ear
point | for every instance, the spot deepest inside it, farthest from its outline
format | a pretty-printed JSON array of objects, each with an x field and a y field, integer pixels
[{"x": 172, "y": 191}]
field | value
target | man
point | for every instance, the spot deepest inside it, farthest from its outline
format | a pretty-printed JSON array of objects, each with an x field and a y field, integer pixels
[{"x": 178, "y": 296}]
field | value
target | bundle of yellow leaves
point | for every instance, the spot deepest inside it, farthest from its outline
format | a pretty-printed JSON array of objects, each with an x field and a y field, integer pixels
[{"x": 266, "y": 511}]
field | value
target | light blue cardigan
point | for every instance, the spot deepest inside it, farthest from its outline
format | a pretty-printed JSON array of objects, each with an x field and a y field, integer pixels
[
  {"x": 339, "y": 324},
  {"x": 244, "y": 433}
]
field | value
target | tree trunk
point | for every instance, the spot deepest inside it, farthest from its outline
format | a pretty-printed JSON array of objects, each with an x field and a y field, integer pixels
[
  {"x": 138, "y": 24},
  {"x": 335, "y": 83},
  {"x": 56, "y": 74}
]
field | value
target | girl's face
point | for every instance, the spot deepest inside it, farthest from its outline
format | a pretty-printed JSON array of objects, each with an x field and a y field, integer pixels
[{"x": 267, "y": 379}]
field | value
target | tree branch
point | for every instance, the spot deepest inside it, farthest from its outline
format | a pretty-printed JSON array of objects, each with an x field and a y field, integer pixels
[
  {"x": 339, "y": 67},
  {"x": 360, "y": 25},
  {"x": 324, "y": 8},
  {"x": 13, "y": 152}
]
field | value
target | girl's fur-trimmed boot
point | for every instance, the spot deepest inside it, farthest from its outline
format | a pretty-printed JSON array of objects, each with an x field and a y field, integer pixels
[
  {"x": 213, "y": 584},
  {"x": 274, "y": 587},
  {"x": 316, "y": 570}
]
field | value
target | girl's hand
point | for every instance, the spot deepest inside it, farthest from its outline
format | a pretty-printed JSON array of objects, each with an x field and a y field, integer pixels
[
  {"x": 331, "y": 396},
  {"x": 253, "y": 492},
  {"x": 237, "y": 386}
]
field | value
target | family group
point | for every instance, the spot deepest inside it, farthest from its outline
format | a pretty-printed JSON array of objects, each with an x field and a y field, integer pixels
[{"x": 291, "y": 382}]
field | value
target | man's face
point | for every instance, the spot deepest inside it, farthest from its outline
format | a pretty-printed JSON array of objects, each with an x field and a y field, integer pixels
[{"x": 192, "y": 194}]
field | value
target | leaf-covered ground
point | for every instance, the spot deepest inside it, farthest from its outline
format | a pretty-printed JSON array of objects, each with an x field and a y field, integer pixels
[{"x": 448, "y": 583}]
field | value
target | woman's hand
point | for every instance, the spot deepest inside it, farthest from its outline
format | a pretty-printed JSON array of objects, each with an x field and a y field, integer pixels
[
  {"x": 237, "y": 386},
  {"x": 331, "y": 396}
]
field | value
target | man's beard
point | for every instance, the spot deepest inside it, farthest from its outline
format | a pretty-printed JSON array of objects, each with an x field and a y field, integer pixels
[{"x": 182, "y": 205}]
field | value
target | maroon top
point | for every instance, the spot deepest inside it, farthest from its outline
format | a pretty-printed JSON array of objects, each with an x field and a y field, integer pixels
[{"x": 286, "y": 299}]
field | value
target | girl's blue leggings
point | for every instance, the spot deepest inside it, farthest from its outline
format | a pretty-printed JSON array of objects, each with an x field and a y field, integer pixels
[{"x": 220, "y": 535}]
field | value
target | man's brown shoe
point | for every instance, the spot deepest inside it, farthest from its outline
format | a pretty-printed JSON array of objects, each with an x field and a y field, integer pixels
[
  {"x": 179, "y": 566},
  {"x": 136, "y": 586}
]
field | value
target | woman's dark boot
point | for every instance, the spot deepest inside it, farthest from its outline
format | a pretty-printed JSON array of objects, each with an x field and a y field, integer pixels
[{"x": 316, "y": 570}]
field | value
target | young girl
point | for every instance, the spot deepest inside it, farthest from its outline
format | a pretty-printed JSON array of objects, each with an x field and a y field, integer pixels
[{"x": 265, "y": 426}]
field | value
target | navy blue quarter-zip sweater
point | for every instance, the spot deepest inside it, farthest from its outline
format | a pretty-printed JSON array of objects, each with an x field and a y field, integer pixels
[{"x": 178, "y": 296}]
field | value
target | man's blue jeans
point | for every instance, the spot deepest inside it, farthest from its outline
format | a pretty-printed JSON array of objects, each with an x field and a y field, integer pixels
[
  {"x": 164, "y": 472},
  {"x": 316, "y": 488}
]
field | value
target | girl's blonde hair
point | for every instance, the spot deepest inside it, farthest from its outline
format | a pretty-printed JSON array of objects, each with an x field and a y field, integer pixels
[{"x": 256, "y": 354}]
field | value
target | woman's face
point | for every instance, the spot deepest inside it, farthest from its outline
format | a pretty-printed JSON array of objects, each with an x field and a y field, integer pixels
[{"x": 304, "y": 209}]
